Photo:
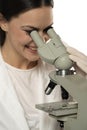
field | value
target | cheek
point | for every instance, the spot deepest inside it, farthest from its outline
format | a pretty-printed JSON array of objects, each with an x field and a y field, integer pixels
[{"x": 18, "y": 35}]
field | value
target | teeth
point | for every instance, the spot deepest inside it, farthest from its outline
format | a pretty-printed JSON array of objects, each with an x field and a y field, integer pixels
[{"x": 34, "y": 49}]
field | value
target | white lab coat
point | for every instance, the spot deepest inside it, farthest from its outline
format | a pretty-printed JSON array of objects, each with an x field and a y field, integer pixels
[{"x": 11, "y": 112}]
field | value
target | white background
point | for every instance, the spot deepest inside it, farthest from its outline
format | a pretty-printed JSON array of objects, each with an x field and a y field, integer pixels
[{"x": 70, "y": 22}]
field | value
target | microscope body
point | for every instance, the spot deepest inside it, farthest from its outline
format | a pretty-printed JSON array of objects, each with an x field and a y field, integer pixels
[{"x": 72, "y": 113}]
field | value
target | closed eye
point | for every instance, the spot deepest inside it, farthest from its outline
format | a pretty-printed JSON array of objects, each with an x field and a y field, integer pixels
[{"x": 46, "y": 29}]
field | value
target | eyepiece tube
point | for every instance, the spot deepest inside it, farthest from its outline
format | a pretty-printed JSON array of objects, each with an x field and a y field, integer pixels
[
  {"x": 62, "y": 61},
  {"x": 36, "y": 38}
]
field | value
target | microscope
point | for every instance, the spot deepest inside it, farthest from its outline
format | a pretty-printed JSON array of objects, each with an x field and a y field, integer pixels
[{"x": 71, "y": 114}]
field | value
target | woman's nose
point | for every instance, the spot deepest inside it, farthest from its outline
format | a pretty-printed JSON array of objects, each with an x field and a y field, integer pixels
[{"x": 44, "y": 36}]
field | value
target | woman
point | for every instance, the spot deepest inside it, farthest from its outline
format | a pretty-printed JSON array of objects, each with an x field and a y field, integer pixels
[{"x": 23, "y": 76}]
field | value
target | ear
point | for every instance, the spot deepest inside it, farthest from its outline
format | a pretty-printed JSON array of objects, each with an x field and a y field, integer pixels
[{"x": 3, "y": 23}]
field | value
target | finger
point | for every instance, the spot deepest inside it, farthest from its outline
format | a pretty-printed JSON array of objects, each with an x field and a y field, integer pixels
[
  {"x": 77, "y": 53},
  {"x": 81, "y": 64},
  {"x": 83, "y": 67},
  {"x": 78, "y": 59}
]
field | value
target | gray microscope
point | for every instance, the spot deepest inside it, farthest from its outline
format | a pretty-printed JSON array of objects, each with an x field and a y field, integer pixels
[{"x": 72, "y": 114}]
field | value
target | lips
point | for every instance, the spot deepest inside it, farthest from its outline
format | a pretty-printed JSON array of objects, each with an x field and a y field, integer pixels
[{"x": 32, "y": 49}]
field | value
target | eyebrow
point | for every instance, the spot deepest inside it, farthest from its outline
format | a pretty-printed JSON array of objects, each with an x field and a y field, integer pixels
[{"x": 34, "y": 28}]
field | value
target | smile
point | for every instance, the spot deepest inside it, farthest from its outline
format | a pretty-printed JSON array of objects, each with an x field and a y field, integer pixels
[{"x": 32, "y": 49}]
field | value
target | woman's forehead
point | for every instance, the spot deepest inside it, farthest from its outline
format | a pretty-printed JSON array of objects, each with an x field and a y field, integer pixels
[
  {"x": 40, "y": 17},
  {"x": 38, "y": 13}
]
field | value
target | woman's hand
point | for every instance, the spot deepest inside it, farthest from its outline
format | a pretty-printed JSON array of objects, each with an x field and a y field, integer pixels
[{"x": 80, "y": 60}]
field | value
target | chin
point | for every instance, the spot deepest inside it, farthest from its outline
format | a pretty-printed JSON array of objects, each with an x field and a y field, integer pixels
[{"x": 34, "y": 59}]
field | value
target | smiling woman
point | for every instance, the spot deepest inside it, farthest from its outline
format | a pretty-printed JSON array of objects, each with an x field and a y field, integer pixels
[
  {"x": 23, "y": 75},
  {"x": 17, "y": 42}
]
